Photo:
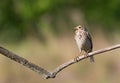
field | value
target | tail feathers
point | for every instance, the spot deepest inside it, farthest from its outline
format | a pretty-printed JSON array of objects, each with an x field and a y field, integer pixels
[{"x": 92, "y": 59}]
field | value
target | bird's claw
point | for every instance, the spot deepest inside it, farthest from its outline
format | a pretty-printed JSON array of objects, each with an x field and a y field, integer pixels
[
  {"x": 86, "y": 55},
  {"x": 76, "y": 59}
]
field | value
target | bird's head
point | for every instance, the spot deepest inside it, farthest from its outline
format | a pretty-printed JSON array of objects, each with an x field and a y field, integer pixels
[{"x": 79, "y": 28}]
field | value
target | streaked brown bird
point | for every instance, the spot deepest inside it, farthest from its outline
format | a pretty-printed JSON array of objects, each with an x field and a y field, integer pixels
[{"x": 84, "y": 41}]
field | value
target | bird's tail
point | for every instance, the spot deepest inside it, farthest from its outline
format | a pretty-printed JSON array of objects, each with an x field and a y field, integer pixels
[{"x": 92, "y": 59}]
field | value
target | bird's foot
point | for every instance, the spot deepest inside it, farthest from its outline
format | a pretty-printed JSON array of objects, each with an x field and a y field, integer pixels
[
  {"x": 76, "y": 59},
  {"x": 86, "y": 55}
]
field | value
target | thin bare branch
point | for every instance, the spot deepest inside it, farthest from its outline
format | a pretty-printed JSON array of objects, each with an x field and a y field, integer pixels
[{"x": 46, "y": 74}]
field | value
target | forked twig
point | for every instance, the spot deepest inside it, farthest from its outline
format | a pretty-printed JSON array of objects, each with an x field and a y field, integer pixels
[{"x": 46, "y": 74}]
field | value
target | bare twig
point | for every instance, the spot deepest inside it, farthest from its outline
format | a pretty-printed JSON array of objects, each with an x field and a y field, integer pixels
[{"x": 46, "y": 74}]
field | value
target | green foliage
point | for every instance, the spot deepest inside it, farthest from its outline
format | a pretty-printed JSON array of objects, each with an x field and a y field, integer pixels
[
  {"x": 102, "y": 11},
  {"x": 21, "y": 17}
]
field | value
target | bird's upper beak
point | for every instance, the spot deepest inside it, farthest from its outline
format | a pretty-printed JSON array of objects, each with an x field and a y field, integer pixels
[{"x": 75, "y": 29}]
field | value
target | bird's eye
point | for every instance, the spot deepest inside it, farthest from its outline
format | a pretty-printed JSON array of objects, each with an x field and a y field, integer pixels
[{"x": 79, "y": 27}]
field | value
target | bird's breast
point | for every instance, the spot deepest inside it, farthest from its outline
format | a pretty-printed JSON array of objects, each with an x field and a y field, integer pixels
[{"x": 79, "y": 41}]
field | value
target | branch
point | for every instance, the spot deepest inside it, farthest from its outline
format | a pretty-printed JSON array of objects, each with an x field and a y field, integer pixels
[{"x": 46, "y": 74}]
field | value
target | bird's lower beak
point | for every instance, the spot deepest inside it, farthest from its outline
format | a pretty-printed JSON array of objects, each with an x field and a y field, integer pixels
[{"x": 74, "y": 29}]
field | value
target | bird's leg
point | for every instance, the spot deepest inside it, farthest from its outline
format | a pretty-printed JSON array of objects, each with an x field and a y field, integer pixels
[
  {"x": 86, "y": 54},
  {"x": 76, "y": 59}
]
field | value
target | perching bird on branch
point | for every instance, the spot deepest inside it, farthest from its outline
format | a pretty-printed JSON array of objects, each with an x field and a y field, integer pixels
[{"x": 84, "y": 41}]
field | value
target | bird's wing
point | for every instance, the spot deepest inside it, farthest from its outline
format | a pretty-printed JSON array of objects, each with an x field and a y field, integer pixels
[{"x": 90, "y": 38}]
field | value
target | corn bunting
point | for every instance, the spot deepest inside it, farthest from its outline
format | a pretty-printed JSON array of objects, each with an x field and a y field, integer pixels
[{"x": 84, "y": 41}]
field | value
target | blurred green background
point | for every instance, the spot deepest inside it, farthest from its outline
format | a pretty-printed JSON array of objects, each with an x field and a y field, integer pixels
[{"x": 42, "y": 32}]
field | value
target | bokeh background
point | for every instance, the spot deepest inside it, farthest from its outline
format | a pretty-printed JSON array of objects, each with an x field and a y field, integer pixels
[{"x": 42, "y": 32}]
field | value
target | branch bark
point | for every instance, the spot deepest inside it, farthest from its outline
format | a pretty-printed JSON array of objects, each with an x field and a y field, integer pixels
[{"x": 46, "y": 74}]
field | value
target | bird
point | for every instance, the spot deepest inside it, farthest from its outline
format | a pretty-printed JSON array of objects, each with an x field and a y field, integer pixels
[{"x": 84, "y": 41}]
